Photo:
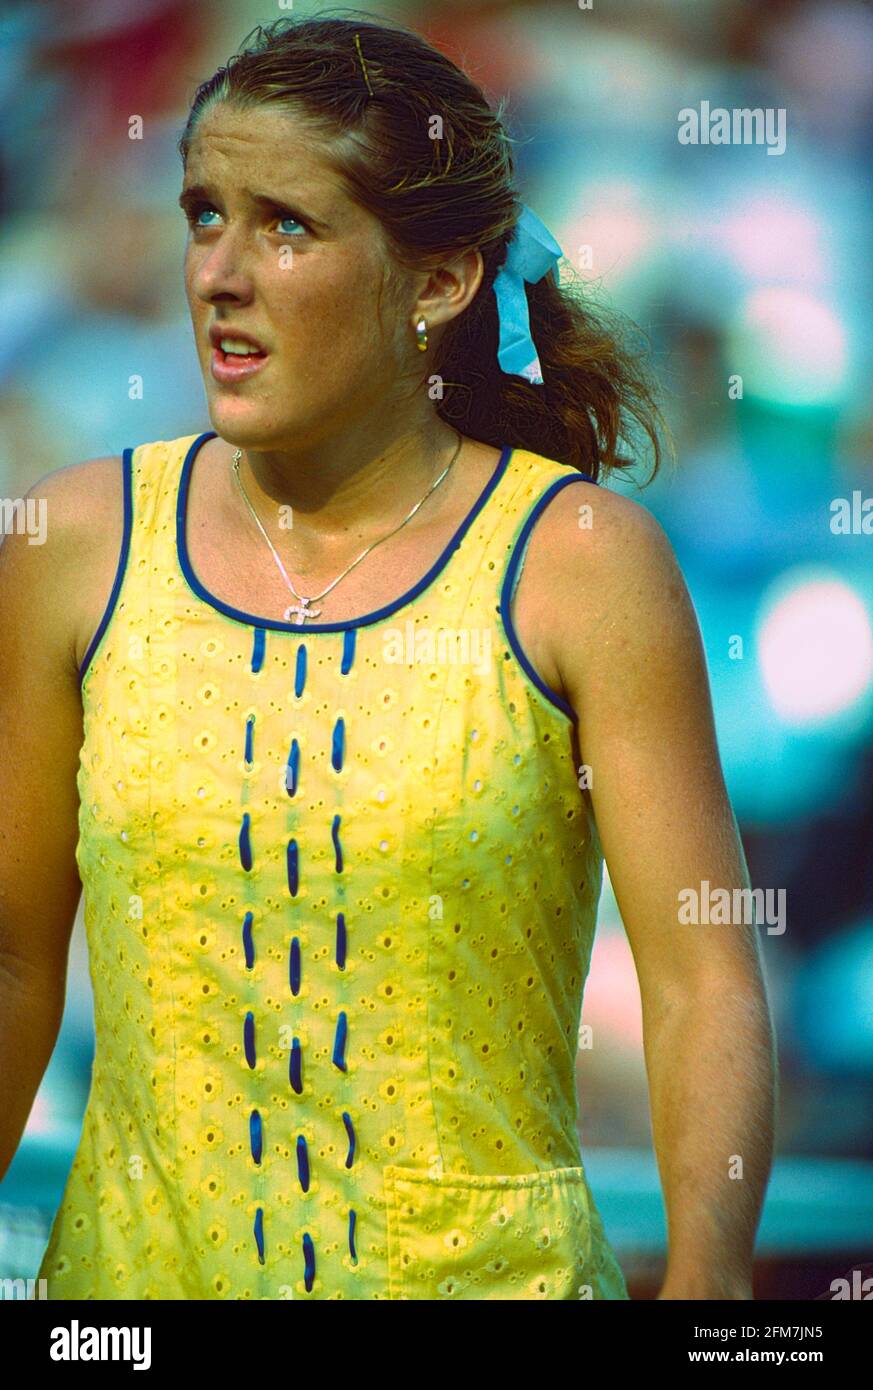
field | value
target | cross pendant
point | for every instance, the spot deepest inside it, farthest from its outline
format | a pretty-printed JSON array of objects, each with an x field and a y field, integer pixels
[{"x": 303, "y": 609}]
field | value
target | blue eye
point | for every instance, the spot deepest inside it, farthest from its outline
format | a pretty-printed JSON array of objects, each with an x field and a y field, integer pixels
[
  {"x": 197, "y": 211},
  {"x": 289, "y": 218}
]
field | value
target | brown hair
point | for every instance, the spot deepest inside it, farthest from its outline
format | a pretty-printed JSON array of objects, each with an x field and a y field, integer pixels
[{"x": 377, "y": 89}]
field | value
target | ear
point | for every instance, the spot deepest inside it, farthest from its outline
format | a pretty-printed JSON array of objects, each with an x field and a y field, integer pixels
[{"x": 446, "y": 290}]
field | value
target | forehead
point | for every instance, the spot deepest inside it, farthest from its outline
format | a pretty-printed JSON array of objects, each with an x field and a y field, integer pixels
[{"x": 230, "y": 142}]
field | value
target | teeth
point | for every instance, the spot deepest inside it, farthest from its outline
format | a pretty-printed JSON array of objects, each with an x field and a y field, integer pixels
[{"x": 237, "y": 347}]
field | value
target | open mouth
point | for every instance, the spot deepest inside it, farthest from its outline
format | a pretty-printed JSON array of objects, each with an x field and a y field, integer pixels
[
  {"x": 238, "y": 356},
  {"x": 233, "y": 359}
]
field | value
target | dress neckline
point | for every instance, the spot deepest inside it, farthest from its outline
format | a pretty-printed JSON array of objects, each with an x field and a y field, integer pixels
[{"x": 280, "y": 625}]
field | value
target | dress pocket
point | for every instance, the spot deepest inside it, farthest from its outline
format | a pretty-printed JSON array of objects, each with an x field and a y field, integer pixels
[{"x": 493, "y": 1236}]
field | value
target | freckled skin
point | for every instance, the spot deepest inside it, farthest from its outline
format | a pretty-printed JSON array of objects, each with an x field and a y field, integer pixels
[
  {"x": 332, "y": 362},
  {"x": 336, "y": 423}
]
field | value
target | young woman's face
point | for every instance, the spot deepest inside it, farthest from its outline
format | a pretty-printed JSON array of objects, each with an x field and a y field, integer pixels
[{"x": 277, "y": 250}]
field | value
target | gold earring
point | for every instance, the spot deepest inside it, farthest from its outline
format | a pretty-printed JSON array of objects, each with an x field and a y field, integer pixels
[{"x": 421, "y": 335}]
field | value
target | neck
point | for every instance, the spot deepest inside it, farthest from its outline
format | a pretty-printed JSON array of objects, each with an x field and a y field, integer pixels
[{"x": 347, "y": 488}]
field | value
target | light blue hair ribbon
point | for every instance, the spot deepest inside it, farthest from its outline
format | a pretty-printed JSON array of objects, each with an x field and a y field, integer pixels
[{"x": 531, "y": 253}]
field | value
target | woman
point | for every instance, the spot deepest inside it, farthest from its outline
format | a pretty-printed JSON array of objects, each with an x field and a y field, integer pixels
[{"x": 349, "y": 772}]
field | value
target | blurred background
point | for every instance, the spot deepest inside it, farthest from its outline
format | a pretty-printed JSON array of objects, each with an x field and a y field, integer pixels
[{"x": 750, "y": 274}]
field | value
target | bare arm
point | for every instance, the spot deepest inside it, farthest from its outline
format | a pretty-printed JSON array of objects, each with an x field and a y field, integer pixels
[
  {"x": 631, "y": 659},
  {"x": 41, "y": 602}
]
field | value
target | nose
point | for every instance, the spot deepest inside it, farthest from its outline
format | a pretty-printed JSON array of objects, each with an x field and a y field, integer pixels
[{"x": 222, "y": 273}]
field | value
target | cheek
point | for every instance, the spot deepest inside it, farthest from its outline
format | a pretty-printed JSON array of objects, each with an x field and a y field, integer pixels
[
  {"x": 197, "y": 305},
  {"x": 333, "y": 312}
]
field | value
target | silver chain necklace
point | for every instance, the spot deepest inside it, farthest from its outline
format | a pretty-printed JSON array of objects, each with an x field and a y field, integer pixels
[{"x": 302, "y": 608}]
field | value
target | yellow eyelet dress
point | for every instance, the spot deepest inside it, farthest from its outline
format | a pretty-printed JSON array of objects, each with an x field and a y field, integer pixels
[{"x": 340, "y": 894}]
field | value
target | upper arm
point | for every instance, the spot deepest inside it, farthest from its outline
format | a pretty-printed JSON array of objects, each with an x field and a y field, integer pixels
[
  {"x": 43, "y": 595},
  {"x": 633, "y": 665}
]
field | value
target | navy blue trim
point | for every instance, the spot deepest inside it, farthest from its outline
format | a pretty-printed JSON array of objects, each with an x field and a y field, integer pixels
[
  {"x": 507, "y": 586},
  {"x": 127, "y": 480},
  {"x": 276, "y": 624}
]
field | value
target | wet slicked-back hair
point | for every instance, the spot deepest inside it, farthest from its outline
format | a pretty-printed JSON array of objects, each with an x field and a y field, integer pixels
[{"x": 420, "y": 148}]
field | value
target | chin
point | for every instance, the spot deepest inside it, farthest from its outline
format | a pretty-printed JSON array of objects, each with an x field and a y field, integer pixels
[{"x": 246, "y": 425}]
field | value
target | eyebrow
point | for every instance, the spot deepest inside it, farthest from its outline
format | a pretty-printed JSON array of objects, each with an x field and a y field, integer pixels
[{"x": 201, "y": 193}]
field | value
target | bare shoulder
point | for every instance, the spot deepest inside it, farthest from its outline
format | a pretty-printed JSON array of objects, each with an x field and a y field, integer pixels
[
  {"x": 60, "y": 546},
  {"x": 598, "y": 546},
  {"x": 616, "y": 586},
  {"x": 595, "y": 526},
  {"x": 82, "y": 495}
]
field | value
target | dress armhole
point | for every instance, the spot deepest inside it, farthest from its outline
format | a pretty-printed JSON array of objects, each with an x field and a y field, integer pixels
[
  {"x": 514, "y": 568},
  {"x": 127, "y": 487}
]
